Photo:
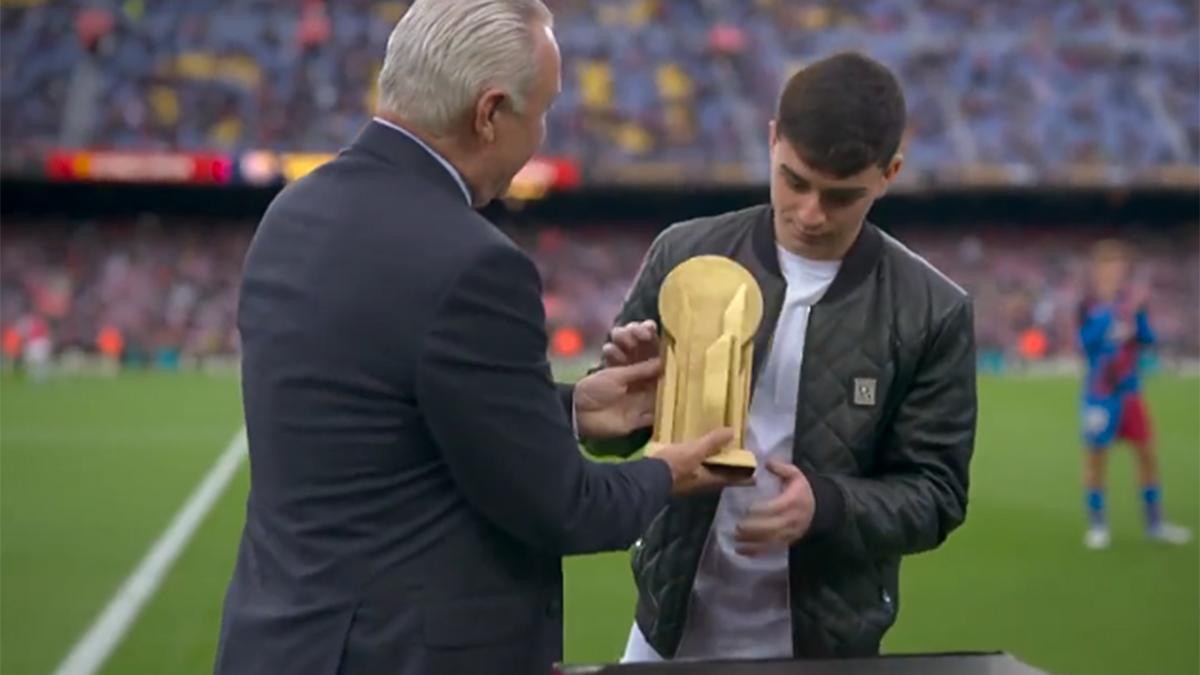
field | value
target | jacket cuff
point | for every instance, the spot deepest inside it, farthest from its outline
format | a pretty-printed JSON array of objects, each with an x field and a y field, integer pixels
[{"x": 830, "y": 505}]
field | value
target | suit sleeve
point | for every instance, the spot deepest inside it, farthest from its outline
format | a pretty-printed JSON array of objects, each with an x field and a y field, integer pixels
[
  {"x": 919, "y": 493},
  {"x": 566, "y": 397},
  {"x": 484, "y": 387},
  {"x": 641, "y": 304}
]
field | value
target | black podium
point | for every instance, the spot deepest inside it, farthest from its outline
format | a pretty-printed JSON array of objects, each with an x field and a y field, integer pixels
[{"x": 909, "y": 664}]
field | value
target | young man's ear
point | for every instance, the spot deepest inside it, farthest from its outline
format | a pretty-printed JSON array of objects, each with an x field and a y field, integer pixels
[
  {"x": 890, "y": 172},
  {"x": 894, "y": 167},
  {"x": 772, "y": 129}
]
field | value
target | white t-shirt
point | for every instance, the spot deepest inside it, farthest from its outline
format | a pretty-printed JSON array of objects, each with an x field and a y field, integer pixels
[{"x": 739, "y": 606}]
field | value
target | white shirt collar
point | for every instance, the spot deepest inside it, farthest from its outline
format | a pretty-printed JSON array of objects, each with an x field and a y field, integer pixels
[{"x": 444, "y": 162}]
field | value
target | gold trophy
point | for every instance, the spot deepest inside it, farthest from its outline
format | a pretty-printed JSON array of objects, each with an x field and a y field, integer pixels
[{"x": 710, "y": 307}]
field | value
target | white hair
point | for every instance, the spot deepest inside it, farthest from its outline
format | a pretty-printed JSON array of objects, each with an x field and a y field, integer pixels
[{"x": 444, "y": 53}]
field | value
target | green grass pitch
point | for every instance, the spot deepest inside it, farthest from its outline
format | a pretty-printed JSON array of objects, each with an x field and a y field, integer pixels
[{"x": 92, "y": 470}]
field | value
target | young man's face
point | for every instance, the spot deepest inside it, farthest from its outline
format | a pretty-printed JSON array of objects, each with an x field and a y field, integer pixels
[{"x": 816, "y": 215}]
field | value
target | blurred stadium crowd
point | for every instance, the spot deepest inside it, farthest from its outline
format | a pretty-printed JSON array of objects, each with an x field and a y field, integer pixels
[
  {"x": 1022, "y": 91},
  {"x": 159, "y": 293},
  {"x": 1013, "y": 92}
]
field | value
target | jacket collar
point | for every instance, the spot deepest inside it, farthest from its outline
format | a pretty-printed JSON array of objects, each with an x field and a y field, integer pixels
[
  {"x": 860, "y": 260},
  {"x": 402, "y": 152}
]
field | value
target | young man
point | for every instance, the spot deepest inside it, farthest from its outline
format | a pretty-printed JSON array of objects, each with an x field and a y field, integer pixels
[
  {"x": 1114, "y": 328},
  {"x": 862, "y": 412}
]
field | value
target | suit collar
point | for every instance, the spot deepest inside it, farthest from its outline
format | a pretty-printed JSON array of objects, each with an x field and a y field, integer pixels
[
  {"x": 402, "y": 151},
  {"x": 862, "y": 257}
]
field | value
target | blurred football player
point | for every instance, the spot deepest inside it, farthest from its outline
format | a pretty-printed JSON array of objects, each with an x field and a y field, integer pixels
[{"x": 1114, "y": 329}]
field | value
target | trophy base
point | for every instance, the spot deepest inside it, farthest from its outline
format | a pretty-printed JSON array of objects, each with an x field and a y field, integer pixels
[{"x": 732, "y": 460}]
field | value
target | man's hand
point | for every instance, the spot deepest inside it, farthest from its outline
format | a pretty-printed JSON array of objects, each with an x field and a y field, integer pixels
[
  {"x": 689, "y": 475},
  {"x": 617, "y": 401},
  {"x": 781, "y": 521},
  {"x": 631, "y": 343}
]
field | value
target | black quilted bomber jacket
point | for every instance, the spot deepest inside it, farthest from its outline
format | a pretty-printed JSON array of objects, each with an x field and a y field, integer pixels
[{"x": 889, "y": 475}]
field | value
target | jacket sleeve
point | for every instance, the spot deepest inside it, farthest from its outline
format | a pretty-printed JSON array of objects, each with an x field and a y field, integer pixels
[
  {"x": 484, "y": 389},
  {"x": 641, "y": 304},
  {"x": 918, "y": 493}
]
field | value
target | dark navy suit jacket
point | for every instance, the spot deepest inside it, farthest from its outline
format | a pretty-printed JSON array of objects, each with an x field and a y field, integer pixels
[{"x": 415, "y": 479}]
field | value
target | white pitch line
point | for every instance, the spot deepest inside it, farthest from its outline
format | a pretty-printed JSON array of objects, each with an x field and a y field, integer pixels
[{"x": 110, "y": 627}]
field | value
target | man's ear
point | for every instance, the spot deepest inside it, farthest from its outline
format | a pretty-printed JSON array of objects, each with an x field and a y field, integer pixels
[
  {"x": 772, "y": 131},
  {"x": 889, "y": 173},
  {"x": 486, "y": 109},
  {"x": 893, "y": 167}
]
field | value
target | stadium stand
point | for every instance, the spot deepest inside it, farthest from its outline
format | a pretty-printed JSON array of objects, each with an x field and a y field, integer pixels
[{"x": 1015, "y": 92}]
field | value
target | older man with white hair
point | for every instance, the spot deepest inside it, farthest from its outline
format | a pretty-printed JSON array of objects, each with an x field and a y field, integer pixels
[{"x": 415, "y": 477}]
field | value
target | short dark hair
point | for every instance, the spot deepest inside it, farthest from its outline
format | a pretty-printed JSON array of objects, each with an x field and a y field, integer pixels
[{"x": 842, "y": 114}]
